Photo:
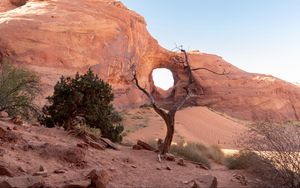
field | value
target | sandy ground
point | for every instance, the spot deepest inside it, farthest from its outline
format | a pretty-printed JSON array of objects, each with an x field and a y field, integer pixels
[
  {"x": 39, "y": 146},
  {"x": 193, "y": 124}
]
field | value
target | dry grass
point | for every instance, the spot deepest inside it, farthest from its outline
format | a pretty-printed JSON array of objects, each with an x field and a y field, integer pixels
[
  {"x": 83, "y": 129},
  {"x": 195, "y": 152},
  {"x": 192, "y": 151}
]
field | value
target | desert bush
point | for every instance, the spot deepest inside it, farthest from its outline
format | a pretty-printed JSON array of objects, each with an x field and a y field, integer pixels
[
  {"x": 216, "y": 154},
  {"x": 18, "y": 88},
  {"x": 277, "y": 152},
  {"x": 240, "y": 160},
  {"x": 84, "y": 96},
  {"x": 192, "y": 151}
]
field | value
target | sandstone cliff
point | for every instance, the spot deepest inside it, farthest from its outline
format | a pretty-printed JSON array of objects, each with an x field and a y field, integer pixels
[{"x": 55, "y": 37}]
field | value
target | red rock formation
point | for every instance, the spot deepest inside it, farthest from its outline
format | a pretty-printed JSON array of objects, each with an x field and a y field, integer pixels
[{"x": 62, "y": 37}]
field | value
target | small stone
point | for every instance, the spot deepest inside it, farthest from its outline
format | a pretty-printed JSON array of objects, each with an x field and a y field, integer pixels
[
  {"x": 41, "y": 173},
  {"x": 133, "y": 166},
  {"x": 59, "y": 171},
  {"x": 112, "y": 169},
  {"x": 99, "y": 178},
  {"x": 157, "y": 168},
  {"x": 41, "y": 168},
  {"x": 78, "y": 184},
  {"x": 169, "y": 157},
  {"x": 205, "y": 181},
  {"x": 83, "y": 145},
  {"x": 168, "y": 168},
  {"x": 96, "y": 145},
  {"x": 181, "y": 162}
]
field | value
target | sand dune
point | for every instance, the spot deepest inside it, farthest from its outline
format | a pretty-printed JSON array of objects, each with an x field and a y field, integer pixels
[{"x": 194, "y": 124}]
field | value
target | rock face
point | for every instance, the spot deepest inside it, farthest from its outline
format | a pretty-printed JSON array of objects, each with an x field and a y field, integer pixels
[{"x": 57, "y": 38}]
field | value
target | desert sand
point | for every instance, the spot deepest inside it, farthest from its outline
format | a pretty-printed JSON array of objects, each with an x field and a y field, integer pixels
[{"x": 193, "y": 124}]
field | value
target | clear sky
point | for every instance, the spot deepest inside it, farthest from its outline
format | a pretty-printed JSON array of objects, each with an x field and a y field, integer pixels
[{"x": 260, "y": 36}]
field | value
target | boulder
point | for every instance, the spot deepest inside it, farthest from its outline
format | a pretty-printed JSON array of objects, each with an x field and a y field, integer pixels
[
  {"x": 206, "y": 181},
  {"x": 99, "y": 178},
  {"x": 22, "y": 182}
]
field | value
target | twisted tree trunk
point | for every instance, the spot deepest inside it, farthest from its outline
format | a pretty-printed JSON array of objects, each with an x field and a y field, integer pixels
[{"x": 169, "y": 117}]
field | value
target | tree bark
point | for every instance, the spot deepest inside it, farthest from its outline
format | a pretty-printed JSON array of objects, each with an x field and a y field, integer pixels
[{"x": 169, "y": 136}]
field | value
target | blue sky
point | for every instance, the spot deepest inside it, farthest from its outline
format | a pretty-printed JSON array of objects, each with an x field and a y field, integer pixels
[{"x": 260, "y": 36}]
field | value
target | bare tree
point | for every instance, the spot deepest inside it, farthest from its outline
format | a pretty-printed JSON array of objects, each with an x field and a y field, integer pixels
[
  {"x": 278, "y": 146},
  {"x": 169, "y": 116}
]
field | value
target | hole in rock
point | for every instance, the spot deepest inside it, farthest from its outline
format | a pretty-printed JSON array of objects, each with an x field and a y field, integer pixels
[{"x": 163, "y": 78}]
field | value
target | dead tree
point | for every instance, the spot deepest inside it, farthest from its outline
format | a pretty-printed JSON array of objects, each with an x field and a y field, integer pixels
[{"x": 169, "y": 116}]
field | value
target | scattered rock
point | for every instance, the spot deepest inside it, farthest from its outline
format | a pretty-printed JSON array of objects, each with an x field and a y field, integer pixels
[
  {"x": 41, "y": 173},
  {"x": 59, "y": 171},
  {"x": 169, "y": 157},
  {"x": 83, "y": 145},
  {"x": 133, "y": 166},
  {"x": 145, "y": 145},
  {"x": 99, "y": 178},
  {"x": 94, "y": 142},
  {"x": 181, "y": 162},
  {"x": 3, "y": 114},
  {"x": 96, "y": 145},
  {"x": 110, "y": 144},
  {"x": 78, "y": 184},
  {"x": 22, "y": 182},
  {"x": 206, "y": 181},
  {"x": 241, "y": 179},
  {"x": 137, "y": 147},
  {"x": 128, "y": 160},
  {"x": 36, "y": 125},
  {"x": 41, "y": 168},
  {"x": 168, "y": 168}
]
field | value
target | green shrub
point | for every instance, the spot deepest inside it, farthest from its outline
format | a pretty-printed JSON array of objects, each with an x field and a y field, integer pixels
[
  {"x": 191, "y": 151},
  {"x": 18, "y": 89},
  {"x": 85, "y": 96},
  {"x": 237, "y": 161}
]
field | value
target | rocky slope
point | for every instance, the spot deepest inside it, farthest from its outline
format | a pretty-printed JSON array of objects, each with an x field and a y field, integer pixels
[
  {"x": 61, "y": 37},
  {"x": 34, "y": 156}
]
